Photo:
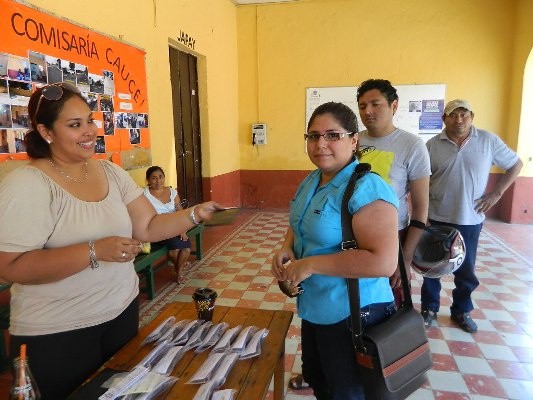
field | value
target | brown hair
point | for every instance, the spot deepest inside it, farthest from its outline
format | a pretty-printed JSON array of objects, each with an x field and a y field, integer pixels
[
  {"x": 47, "y": 114},
  {"x": 343, "y": 115}
]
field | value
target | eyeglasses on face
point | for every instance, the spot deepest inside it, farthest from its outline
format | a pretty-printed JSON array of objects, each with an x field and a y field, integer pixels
[
  {"x": 328, "y": 136},
  {"x": 54, "y": 92}
]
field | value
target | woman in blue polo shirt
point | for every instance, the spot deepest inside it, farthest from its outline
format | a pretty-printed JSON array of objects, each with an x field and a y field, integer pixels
[{"x": 312, "y": 244}]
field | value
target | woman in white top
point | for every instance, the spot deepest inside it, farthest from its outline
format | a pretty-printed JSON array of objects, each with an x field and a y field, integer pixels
[
  {"x": 72, "y": 226},
  {"x": 166, "y": 199}
]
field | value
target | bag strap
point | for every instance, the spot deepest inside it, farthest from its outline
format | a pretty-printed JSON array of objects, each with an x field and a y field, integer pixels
[{"x": 349, "y": 242}]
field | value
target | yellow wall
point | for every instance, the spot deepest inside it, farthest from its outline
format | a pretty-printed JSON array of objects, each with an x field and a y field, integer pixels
[
  {"x": 151, "y": 25},
  {"x": 255, "y": 63},
  {"x": 468, "y": 45},
  {"x": 520, "y": 118}
]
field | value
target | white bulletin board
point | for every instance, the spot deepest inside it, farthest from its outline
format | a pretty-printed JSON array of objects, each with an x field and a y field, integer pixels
[{"x": 420, "y": 107}]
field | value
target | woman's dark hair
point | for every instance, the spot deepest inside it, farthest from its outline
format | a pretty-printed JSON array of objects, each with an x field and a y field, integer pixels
[
  {"x": 383, "y": 85},
  {"x": 153, "y": 169},
  {"x": 342, "y": 114},
  {"x": 47, "y": 114}
]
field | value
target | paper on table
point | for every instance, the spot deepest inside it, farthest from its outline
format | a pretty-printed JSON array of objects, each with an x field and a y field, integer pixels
[
  {"x": 224, "y": 217},
  {"x": 169, "y": 360},
  {"x": 222, "y": 371},
  {"x": 244, "y": 337},
  {"x": 225, "y": 394},
  {"x": 125, "y": 383},
  {"x": 160, "y": 330},
  {"x": 253, "y": 348},
  {"x": 224, "y": 344},
  {"x": 207, "y": 369}
]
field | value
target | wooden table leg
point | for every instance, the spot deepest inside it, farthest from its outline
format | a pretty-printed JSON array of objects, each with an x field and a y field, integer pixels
[{"x": 279, "y": 377}]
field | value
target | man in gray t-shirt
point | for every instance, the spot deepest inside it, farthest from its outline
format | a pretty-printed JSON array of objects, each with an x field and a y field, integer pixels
[
  {"x": 400, "y": 158},
  {"x": 461, "y": 158}
]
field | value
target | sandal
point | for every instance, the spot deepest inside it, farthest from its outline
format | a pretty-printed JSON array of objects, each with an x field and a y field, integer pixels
[
  {"x": 179, "y": 279},
  {"x": 187, "y": 266},
  {"x": 297, "y": 383}
]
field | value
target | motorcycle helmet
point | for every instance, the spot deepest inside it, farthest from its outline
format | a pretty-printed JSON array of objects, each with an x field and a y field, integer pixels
[{"x": 440, "y": 251}]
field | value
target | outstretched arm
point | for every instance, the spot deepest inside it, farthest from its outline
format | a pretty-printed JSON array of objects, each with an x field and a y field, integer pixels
[{"x": 148, "y": 226}]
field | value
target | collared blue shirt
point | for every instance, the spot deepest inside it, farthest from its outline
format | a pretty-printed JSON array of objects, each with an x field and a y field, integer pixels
[{"x": 315, "y": 219}]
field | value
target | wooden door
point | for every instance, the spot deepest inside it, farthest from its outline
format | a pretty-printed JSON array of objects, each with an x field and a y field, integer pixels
[{"x": 184, "y": 80}]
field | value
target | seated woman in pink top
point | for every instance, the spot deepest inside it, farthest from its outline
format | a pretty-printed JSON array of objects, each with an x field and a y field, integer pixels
[{"x": 166, "y": 199}]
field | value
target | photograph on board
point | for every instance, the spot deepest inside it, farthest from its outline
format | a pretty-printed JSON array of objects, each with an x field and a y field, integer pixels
[
  {"x": 106, "y": 103},
  {"x": 3, "y": 65},
  {"x": 37, "y": 67},
  {"x": 20, "y": 117},
  {"x": 100, "y": 145},
  {"x": 69, "y": 72},
  {"x": 109, "y": 82},
  {"x": 4, "y": 92},
  {"x": 18, "y": 68},
  {"x": 96, "y": 83},
  {"x": 109, "y": 124},
  {"x": 135, "y": 136},
  {"x": 53, "y": 69},
  {"x": 5, "y": 116}
]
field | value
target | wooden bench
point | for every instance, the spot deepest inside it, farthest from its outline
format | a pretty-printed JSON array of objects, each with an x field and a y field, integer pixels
[
  {"x": 147, "y": 263},
  {"x": 197, "y": 233}
]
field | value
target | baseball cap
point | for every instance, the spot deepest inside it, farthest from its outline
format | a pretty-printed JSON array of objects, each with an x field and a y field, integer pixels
[{"x": 457, "y": 103}]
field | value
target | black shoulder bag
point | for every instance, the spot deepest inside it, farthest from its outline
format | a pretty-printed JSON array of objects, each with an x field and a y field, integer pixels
[{"x": 393, "y": 356}]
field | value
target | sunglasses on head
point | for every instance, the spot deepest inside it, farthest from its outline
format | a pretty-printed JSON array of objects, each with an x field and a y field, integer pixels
[{"x": 54, "y": 92}]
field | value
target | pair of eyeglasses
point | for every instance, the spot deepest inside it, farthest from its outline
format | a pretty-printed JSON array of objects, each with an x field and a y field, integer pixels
[
  {"x": 54, "y": 92},
  {"x": 328, "y": 136},
  {"x": 285, "y": 287}
]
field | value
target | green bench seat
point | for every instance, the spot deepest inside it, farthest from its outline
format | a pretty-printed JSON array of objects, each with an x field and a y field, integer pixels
[{"x": 147, "y": 263}]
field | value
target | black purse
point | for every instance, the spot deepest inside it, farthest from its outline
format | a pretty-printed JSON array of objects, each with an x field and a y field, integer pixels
[{"x": 393, "y": 356}]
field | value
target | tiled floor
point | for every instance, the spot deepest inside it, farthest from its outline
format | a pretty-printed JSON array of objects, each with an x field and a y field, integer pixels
[{"x": 494, "y": 363}]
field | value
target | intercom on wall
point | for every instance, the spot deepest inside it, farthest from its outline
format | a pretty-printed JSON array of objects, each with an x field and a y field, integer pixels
[{"x": 259, "y": 134}]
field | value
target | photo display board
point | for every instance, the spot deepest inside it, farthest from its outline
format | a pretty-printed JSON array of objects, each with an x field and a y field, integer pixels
[
  {"x": 420, "y": 107},
  {"x": 37, "y": 49}
]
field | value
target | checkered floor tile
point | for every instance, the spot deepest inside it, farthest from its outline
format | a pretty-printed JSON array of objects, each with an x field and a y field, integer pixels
[{"x": 494, "y": 363}]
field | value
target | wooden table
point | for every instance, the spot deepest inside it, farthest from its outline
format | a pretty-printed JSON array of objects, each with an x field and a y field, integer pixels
[{"x": 251, "y": 378}]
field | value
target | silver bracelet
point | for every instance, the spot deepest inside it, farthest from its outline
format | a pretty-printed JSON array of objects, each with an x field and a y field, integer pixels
[
  {"x": 192, "y": 217},
  {"x": 93, "y": 262}
]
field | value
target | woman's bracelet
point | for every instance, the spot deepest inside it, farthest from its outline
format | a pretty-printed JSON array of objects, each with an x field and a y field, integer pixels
[
  {"x": 192, "y": 217},
  {"x": 93, "y": 262}
]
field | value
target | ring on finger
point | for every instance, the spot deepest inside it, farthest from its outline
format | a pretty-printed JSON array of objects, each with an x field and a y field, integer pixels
[{"x": 123, "y": 254}]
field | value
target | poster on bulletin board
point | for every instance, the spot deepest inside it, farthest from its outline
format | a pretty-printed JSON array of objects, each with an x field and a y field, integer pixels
[
  {"x": 37, "y": 48},
  {"x": 420, "y": 107}
]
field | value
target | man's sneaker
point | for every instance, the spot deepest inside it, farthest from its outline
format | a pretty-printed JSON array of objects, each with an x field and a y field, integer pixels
[
  {"x": 465, "y": 322},
  {"x": 429, "y": 316}
]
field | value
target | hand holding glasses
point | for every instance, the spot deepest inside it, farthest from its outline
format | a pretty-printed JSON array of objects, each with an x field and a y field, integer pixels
[{"x": 285, "y": 286}]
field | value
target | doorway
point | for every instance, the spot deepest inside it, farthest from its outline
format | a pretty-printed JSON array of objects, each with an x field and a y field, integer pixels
[{"x": 184, "y": 81}]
